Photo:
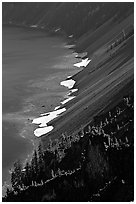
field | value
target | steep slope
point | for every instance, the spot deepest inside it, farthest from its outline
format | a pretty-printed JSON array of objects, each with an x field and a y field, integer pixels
[
  {"x": 73, "y": 18},
  {"x": 88, "y": 156},
  {"x": 100, "y": 84},
  {"x": 105, "y": 32}
]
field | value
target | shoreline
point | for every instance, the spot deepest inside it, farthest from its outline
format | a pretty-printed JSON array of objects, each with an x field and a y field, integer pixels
[
  {"x": 30, "y": 110},
  {"x": 45, "y": 118},
  {"x": 51, "y": 32}
]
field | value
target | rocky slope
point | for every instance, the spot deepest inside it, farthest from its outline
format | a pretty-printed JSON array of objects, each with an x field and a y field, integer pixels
[
  {"x": 102, "y": 30},
  {"x": 99, "y": 120},
  {"x": 73, "y": 18}
]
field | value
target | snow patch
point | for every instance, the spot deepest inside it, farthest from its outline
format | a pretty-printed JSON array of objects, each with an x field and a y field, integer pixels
[
  {"x": 43, "y": 114},
  {"x": 41, "y": 131},
  {"x": 76, "y": 54},
  {"x": 72, "y": 91},
  {"x": 42, "y": 121},
  {"x": 69, "y": 46},
  {"x": 57, "y": 107},
  {"x": 70, "y": 36},
  {"x": 68, "y": 99},
  {"x": 83, "y": 63},
  {"x": 58, "y": 29},
  {"x": 68, "y": 83},
  {"x": 69, "y": 77},
  {"x": 33, "y": 26},
  {"x": 81, "y": 55}
]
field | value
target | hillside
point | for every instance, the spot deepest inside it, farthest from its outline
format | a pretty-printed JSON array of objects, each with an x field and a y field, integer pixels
[
  {"x": 73, "y": 18},
  {"x": 91, "y": 146}
]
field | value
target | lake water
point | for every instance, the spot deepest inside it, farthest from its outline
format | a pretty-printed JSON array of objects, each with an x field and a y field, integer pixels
[{"x": 33, "y": 66}]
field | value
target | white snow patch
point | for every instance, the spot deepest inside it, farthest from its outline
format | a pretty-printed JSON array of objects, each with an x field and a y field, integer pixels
[
  {"x": 72, "y": 91},
  {"x": 68, "y": 77},
  {"x": 58, "y": 29},
  {"x": 70, "y": 36},
  {"x": 76, "y": 54},
  {"x": 33, "y": 26},
  {"x": 57, "y": 107},
  {"x": 69, "y": 46},
  {"x": 45, "y": 114},
  {"x": 42, "y": 121},
  {"x": 68, "y": 99},
  {"x": 123, "y": 181},
  {"x": 68, "y": 83},
  {"x": 83, "y": 63},
  {"x": 81, "y": 55},
  {"x": 41, "y": 131}
]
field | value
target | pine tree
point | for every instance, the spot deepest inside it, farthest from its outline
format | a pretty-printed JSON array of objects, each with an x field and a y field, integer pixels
[
  {"x": 8, "y": 192},
  {"x": 27, "y": 178},
  {"x": 40, "y": 162},
  {"x": 40, "y": 155},
  {"x": 16, "y": 176},
  {"x": 34, "y": 166}
]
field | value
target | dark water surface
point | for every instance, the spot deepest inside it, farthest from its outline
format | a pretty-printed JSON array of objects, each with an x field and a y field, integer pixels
[{"x": 27, "y": 55}]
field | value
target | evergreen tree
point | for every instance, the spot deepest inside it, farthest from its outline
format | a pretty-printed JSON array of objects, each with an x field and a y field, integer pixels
[
  {"x": 34, "y": 166},
  {"x": 8, "y": 192},
  {"x": 16, "y": 175},
  {"x": 28, "y": 176},
  {"x": 40, "y": 162}
]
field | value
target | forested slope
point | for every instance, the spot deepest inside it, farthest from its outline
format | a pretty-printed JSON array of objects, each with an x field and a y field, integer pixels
[{"x": 88, "y": 156}]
